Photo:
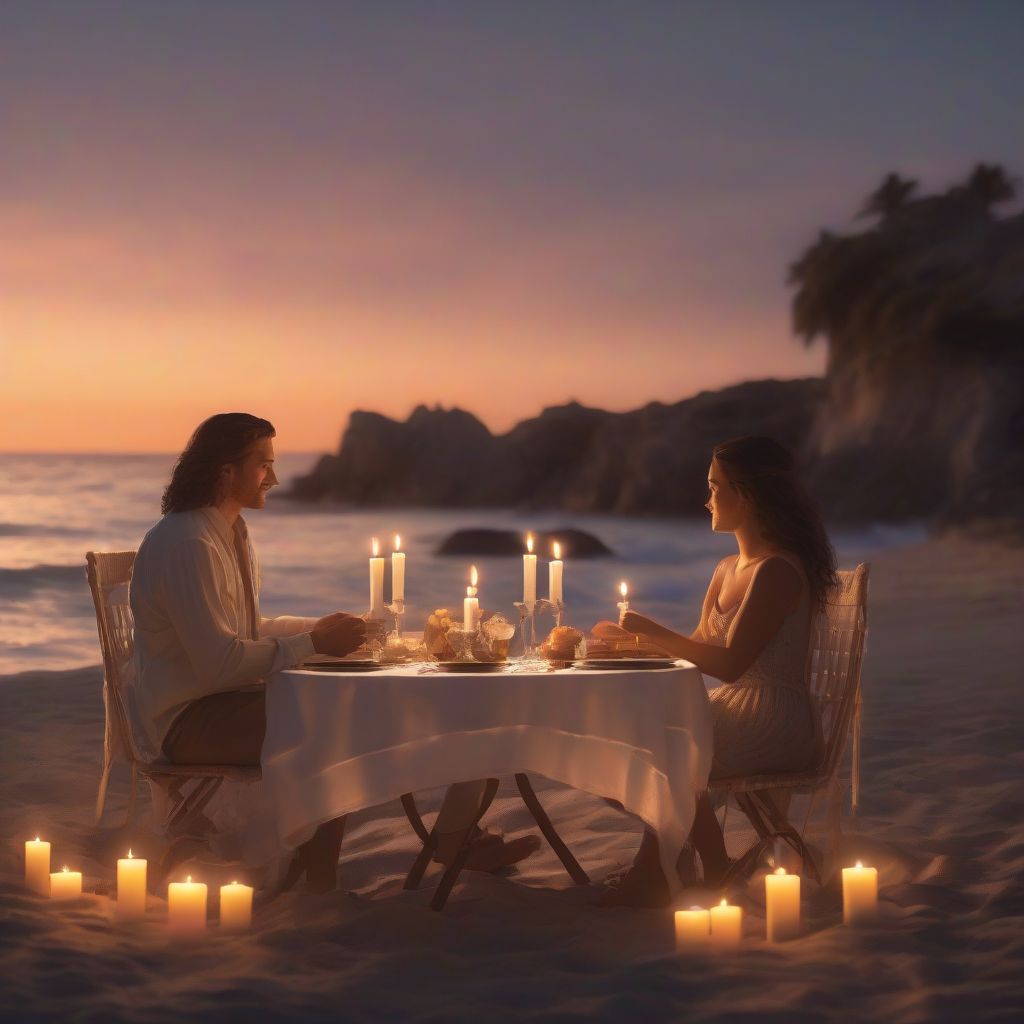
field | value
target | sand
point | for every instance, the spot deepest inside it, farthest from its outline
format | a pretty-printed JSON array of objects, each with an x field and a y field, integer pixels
[{"x": 942, "y": 816}]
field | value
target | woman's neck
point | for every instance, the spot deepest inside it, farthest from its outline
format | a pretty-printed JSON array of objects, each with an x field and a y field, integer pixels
[{"x": 751, "y": 545}]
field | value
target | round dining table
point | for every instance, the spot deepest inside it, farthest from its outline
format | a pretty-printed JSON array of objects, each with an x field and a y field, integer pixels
[{"x": 340, "y": 741}]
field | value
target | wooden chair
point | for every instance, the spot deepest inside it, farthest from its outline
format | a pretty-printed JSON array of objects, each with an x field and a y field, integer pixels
[
  {"x": 189, "y": 787},
  {"x": 834, "y": 658}
]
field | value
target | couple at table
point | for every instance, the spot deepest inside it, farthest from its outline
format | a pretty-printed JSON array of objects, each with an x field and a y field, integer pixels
[{"x": 202, "y": 648}]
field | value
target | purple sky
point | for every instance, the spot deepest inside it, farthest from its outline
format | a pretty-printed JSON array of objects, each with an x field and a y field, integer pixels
[{"x": 299, "y": 208}]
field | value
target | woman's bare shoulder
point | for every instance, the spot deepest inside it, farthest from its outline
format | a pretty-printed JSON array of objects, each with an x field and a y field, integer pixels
[{"x": 779, "y": 574}]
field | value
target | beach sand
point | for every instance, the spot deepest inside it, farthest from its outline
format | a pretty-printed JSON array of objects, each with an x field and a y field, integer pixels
[{"x": 942, "y": 817}]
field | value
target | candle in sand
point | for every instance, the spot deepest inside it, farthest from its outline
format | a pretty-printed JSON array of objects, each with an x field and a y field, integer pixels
[
  {"x": 37, "y": 866},
  {"x": 131, "y": 886},
  {"x": 235, "y": 906},
  {"x": 782, "y": 905},
  {"x": 693, "y": 929},
  {"x": 65, "y": 885},
  {"x": 726, "y": 927},
  {"x": 860, "y": 894},
  {"x": 186, "y": 906}
]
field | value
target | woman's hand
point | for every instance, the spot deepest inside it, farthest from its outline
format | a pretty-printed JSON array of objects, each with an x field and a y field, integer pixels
[{"x": 634, "y": 622}]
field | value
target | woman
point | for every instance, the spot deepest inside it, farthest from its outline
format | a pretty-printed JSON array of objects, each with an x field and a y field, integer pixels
[{"x": 753, "y": 635}]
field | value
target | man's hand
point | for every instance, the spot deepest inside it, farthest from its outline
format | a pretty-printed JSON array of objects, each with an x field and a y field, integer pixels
[{"x": 338, "y": 634}]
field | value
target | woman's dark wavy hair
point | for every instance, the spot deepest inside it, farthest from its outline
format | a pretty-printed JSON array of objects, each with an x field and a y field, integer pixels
[
  {"x": 219, "y": 441},
  {"x": 762, "y": 470}
]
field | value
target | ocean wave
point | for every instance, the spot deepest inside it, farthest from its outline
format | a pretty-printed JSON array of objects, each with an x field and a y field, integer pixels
[
  {"x": 38, "y": 530},
  {"x": 37, "y": 576}
]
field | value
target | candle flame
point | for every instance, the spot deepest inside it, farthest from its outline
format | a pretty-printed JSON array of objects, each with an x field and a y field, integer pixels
[
  {"x": 557, "y": 549},
  {"x": 780, "y": 871},
  {"x": 375, "y": 546},
  {"x": 529, "y": 543},
  {"x": 65, "y": 868},
  {"x": 37, "y": 839},
  {"x": 129, "y": 853},
  {"x": 724, "y": 903},
  {"x": 859, "y": 864},
  {"x": 235, "y": 882},
  {"x": 623, "y": 589},
  {"x": 474, "y": 576},
  {"x": 398, "y": 542},
  {"x": 188, "y": 879}
]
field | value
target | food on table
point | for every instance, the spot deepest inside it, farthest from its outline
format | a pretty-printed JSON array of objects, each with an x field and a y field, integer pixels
[
  {"x": 609, "y": 640},
  {"x": 435, "y": 634},
  {"x": 495, "y": 633},
  {"x": 561, "y": 644}
]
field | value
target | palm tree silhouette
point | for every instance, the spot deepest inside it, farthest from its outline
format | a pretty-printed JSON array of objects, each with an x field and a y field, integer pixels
[{"x": 889, "y": 198}]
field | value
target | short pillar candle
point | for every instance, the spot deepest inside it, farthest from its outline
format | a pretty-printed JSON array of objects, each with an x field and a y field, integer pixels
[
  {"x": 65, "y": 885},
  {"x": 860, "y": 894},
  {"x": 235, "y": 907},
  {"x": 37, "y": 866},
  {"x": 726, "y": 927},
  {"x": 131, "y": 886},
  {"x": 186, "y": 906},
  {"x": 782, "y": 905},
  {"x": 693, "y": 929}
]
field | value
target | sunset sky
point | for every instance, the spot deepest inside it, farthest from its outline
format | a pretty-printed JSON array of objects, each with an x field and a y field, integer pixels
[{"x": 300, "y": 208}]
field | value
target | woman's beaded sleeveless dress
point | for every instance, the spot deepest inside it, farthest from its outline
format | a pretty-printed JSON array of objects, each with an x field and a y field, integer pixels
[{"x": 763, "y": 722}]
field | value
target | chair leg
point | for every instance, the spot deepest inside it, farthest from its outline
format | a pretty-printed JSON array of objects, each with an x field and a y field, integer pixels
[
  {"x": 781, "y": 827},
  {"x": 131, "y": 796},
  {"x": 192, "y": 805},
  {"x": 452, "y": 872},
  {"x": 101, "y": 794},
  {"x": 413, "y": 814},
  {"x": 569, "y": 862}
]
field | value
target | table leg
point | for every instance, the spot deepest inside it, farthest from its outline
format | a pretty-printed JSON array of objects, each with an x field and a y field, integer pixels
[
  {"x": 569, "y": 862},
  {"x": 453, "y": 871},
  {"x": 413, "y": 814}
]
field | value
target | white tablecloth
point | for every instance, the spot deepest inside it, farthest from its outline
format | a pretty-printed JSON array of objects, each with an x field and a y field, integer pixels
[{"x": 336, "y": 743}]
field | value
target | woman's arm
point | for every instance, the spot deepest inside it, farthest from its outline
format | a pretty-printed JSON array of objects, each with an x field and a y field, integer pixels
[{"x": 773, "y": 593}]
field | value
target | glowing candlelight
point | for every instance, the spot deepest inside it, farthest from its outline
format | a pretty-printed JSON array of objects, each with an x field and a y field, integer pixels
[
  {"x": 398, "y": 572},
  {"x": 623, "y": 605},
  {"x": 782, "y": 905},
  {"x": 65, "y": 885},
  {"x": 693, "y": 929},
  {"x": 186, "y": 906},
  {"x": 555, "y": 575},
  {"x": 37, "y": 866},
  {"x": 131, "y": 886},
  {"x": 726, "y": 927},
  {"x": 235, "y": 907},
  {"x": 529, "y": 572},
  {"x": 471, "y": 605},
  {"x": 376, "y": 582},
  {"x": 860, "y": 894}
]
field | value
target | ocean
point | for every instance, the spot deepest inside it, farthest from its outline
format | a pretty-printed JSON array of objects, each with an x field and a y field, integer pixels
[{"x": 55, "y": 508}]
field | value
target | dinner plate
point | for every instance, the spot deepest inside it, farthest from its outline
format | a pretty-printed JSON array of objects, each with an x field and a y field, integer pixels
[
  {"x": 471, "y": 666},
  {"x": 629, "y": 664},
  {"x": 343, "y": 666}
]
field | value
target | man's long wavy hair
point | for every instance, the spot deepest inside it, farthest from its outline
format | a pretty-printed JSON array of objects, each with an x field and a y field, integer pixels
[
  {"x": 220, "y": 441},
  {"x": 762, "y": 470}
]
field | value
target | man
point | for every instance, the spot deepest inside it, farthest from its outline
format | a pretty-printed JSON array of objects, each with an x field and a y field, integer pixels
[{"x": 202, "y": 649}]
